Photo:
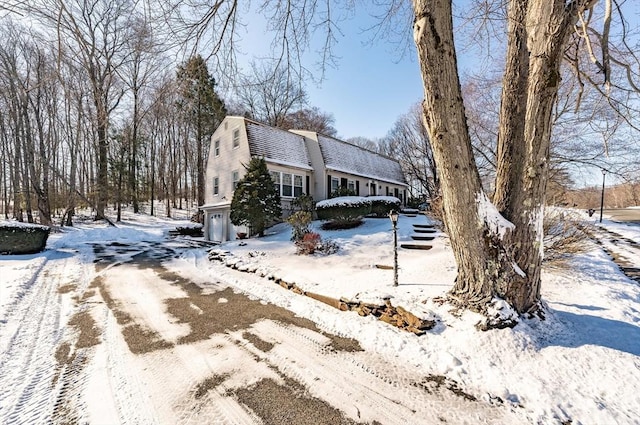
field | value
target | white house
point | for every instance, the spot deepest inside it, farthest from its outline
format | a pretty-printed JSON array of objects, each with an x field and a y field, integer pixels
[{"x": 300, "y": 162}]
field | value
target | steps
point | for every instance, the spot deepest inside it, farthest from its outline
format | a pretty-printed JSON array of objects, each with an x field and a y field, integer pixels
[{"x": 423, "y": 232}]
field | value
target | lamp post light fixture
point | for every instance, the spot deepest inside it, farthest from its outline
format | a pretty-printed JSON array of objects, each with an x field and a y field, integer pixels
[
  {"x": 393, "y": 216},
  {"x": 604, "y": 173}
]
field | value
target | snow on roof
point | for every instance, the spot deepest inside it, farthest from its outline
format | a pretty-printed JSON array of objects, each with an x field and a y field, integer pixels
[
  {"x": 349, "y": 158},
  {"x": 276, "y": 145},
  {"x": 214, "y": 205}
]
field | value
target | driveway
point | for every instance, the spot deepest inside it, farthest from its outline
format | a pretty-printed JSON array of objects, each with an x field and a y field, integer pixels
[{"x": 111, "y": 336}]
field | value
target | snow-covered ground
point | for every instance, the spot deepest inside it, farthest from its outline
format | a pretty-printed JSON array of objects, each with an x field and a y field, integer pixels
[{"x": 580, "y": 365}]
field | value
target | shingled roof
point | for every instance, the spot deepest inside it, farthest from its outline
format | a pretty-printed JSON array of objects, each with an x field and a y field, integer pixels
[
  {"x": 277, "y": 146},
  {"x": 346, "y": 157}
]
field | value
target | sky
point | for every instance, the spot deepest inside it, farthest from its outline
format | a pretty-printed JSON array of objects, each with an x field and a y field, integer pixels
[{"x": 371, "y": 85}]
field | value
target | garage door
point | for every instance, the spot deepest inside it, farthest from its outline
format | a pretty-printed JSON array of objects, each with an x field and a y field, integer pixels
[{"x": 216, "y": 227}]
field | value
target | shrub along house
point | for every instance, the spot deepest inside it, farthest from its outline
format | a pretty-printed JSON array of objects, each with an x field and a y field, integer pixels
[{"x": 300, "y": 162}]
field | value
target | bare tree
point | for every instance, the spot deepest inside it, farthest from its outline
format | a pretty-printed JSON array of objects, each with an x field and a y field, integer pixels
[
  {"x": 270, "y": 94},
  {"x": 408, "y": 142},
  {"x": 312, "y": 119},
  {"x": 92, "y": 35}
]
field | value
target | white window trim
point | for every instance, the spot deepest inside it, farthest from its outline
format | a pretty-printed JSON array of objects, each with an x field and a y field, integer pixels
[
  {"x": 216, "y": 147},
  {"x": 235, "y": 178},
  {"x": 337, "y": 186},
  {"x": 280, "y": 184},
  {"x": 216, "y": 187},
  {"x": 233, "y": 139}
]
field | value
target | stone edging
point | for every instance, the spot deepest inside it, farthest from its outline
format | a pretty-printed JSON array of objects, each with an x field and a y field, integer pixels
[{"x": 396, "y": 316}]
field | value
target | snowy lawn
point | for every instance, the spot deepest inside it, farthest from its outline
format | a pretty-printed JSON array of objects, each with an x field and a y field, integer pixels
[{"x": 580, "y": 365}]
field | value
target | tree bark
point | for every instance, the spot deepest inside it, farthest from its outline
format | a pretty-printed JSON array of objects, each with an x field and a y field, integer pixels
[
  {"x": 496, "y": 257},
  {"x": 475, "y": 246}
]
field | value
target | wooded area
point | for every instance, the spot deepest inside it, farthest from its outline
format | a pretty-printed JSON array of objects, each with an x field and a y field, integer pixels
[{"x": 92, "y": 116}]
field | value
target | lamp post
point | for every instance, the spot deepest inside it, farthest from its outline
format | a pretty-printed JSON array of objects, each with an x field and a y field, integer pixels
[
  {"x": 393, "y": 216},
  {"x": 604, "y": 173}
]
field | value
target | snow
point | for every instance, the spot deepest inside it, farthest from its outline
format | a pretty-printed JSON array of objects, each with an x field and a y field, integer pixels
[
  {"x": 348, "y": 158},
  {"x": 277, "y": 145},
  {"x": 21, "y": 224},
  {"x": 489, "y": 215},
  {"x": 581, "y": 364},
  {"x": 343, "y": 201}
]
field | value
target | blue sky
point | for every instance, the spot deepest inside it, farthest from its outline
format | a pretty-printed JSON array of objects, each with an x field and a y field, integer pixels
[
  {"x": 371, "y": 85},
  {"x": 370, "y": 88}
]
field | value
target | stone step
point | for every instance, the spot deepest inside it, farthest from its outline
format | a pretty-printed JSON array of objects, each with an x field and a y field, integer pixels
[
  {"x": 424, "y": 226},
  {"x": 425, "y": 230},
  {"x": 422, "y": 238},
  {"x": 415, "y": 246}
]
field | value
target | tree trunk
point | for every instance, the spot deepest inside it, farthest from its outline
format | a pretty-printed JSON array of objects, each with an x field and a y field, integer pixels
[
  {"x": 102, "y": 162},
  {"x": 473, "y": 228},
  {"x": 495, "y": 257}
]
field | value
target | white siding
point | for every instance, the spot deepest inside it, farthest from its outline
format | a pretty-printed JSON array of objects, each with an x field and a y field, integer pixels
[{"x": 229, "y": 160}]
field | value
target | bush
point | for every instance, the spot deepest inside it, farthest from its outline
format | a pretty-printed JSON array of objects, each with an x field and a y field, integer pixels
[
  {"x": 299, "y": 222},
  {"x": 381, "y": 206},
  {"x": 304, "y": 202},
  {"x": 340, "y": 225},
  {"x": 342, "y": 191},
  {"x": 189, "y": 230},
  {"x": 312, "y": 243},
  {"x": 565, "y": 234},
  {"x": 346, "y": 210},
  {"x": 308, "y": 244},
  {"x": 22, "y": 238}
]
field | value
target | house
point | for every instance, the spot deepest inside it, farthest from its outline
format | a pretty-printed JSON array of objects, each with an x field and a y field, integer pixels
[{"x": 300, "y": 162}]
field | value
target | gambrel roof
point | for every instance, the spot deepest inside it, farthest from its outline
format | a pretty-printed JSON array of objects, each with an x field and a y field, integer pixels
[
  {"x": 277, "y": 146},
  {"x": 348, "y": 158}
]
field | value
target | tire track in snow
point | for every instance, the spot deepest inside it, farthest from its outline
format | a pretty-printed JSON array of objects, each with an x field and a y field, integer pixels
[
  {"x": 377, "y": 388},
  {"x": 27, "y": 363}
]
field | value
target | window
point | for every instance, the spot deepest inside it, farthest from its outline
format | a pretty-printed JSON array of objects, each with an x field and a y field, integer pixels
[
  {"x": 216, "y": 147},
  {"x": 297, "y": 185},
  {"x": 216, "y": 186},
  {"x": 351, "y": 185},
  {"x": 275, "y": 176},
  {"x": 287, "y": 185},
  {"x": 236, "y": 138},
  {"x": 335, "y": 184},
  {"x": 235, "y": 177}
]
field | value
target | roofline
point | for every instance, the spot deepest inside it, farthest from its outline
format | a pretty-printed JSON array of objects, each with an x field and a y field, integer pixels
[
  {"x": 377, "y": 178},
  {"x": 357, "y": 146}
]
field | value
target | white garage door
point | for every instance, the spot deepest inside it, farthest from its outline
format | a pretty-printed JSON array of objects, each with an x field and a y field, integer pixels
[{"x": 216, "y": 227}]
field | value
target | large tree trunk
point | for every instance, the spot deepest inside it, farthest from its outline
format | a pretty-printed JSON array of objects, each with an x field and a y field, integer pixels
[
  {"x": 495, "y": 257},
  {"x": 474, "y": 229},
  {"x": 537, "y": 36}
]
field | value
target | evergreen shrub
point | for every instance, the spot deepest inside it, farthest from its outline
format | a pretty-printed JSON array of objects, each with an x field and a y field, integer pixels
[
  {"x": 381, "y": 206},
  {"x": 346, "y": 210}
]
